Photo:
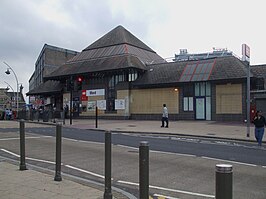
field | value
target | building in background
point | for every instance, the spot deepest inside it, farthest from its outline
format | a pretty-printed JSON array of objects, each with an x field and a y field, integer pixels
[
  {"x": 8, "y": 100},
  {"x": 49, "y": 59},
  {"x": 185, "y": 56},
  {"x": 126, "y": 79}
]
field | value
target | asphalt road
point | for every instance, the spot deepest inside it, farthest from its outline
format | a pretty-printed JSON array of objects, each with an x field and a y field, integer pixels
[{"x": 179, "y": 167}]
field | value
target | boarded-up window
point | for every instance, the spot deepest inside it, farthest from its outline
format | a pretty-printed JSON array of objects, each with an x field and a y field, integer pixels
[{"x": 229, "y": 99}]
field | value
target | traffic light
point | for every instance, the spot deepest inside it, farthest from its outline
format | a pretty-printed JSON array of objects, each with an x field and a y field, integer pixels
[{"x": 79, "y": 83}]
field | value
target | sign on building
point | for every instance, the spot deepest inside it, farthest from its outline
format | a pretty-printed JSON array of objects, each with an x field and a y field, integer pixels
[
  {"x": 101, "y": 104},
  {"x": 120, "y": 104},
  {"x": 245, "y": 52},
  {"x": 97, "y": 92},
  {"x": 91, "y": 105}
]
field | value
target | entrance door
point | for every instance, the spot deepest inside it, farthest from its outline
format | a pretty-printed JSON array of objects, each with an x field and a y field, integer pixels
[{"x": 200, "y": 108}]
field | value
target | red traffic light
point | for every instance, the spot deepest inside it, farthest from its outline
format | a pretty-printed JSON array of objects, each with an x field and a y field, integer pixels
[{"x": 80, "y": 79}]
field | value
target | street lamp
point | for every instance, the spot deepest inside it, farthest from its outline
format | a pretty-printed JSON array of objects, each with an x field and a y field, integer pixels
[
  {"x": 8, "y": 73},
  {"x": 11, "y": 89}
]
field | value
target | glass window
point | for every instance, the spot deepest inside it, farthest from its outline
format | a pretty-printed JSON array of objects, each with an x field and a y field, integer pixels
[
  {"x": 185, "y": 103},
  {"x": 197, "y": 89},
  {"x": 202, "y": 89},
  {"x": 188, "y": 104}
]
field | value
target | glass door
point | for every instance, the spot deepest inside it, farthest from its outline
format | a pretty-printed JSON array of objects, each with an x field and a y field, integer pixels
[{"x": 200, "y": 108}]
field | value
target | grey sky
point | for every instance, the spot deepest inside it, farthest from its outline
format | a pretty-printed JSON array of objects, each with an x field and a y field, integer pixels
[{"x": 164, "y": 25}]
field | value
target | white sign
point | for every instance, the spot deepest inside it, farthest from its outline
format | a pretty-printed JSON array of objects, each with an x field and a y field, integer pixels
[
  {"x": 245, "y": 52},
  {"x": 97, "y": 92},
  {"x": 101, "y": 104},
  {"x": 91, "y": 105},
  {"x": 120, "y": 104}
]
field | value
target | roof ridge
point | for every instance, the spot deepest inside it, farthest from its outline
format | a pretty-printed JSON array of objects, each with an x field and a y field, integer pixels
[{"x": 118, "y": 35}]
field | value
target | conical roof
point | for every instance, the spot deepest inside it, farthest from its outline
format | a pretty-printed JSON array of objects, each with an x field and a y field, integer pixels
[{"x": 118, "y": 35}]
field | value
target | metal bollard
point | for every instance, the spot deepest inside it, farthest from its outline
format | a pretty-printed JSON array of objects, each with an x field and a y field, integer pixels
[
  {"x": 224, "y": 181},
  {"x": 64, "y": 122},
  {"x": 108, "y": 165},
  {"x": 58, "y": 153},
  {"x": 144, "y": 170},
  {"x": 96, "y": 117},
  {"x": 22, "y": 165}
]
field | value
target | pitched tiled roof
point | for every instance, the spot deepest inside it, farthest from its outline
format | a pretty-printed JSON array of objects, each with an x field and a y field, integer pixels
[
  {"x": 98, "y": 65},
  {"x": 118, "y": 35},
  {"x": 258, "y": 70},
  {"x": 118, "y": 49},
  {"x": 224, "y": 68},
  {"x": 47, "y": 87}
]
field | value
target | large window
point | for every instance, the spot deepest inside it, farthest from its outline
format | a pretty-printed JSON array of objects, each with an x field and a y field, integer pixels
[
  {"x": 202, "y": 89},
  {"x": 188, "y": 97}
]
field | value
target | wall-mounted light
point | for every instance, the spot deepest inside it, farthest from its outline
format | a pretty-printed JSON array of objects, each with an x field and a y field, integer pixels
[{"x": 176, "y": 89}]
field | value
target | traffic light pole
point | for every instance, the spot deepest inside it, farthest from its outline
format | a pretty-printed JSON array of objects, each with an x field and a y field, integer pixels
[{"x": 71, "y": 99}]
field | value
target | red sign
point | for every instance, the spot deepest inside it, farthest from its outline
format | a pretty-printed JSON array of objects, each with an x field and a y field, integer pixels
[{"x": 83, "y": 96}]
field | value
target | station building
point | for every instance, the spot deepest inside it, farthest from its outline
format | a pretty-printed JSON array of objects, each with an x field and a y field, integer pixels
[{"x": 126, "y": 79}]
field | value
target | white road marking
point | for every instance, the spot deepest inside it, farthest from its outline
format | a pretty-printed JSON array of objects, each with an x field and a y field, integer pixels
[
  {"x": 69, "y": 139},
  {"x": 129, "y": 183},
  {"x": 6, "y": 139},
  {"x": 129, "y": 147},
  {"x": 91, "y": 142},
  {"x": 168, "y": 197},
  {"x": 264, "y": 167},
  {"x": 38, "y": 160},
  {"x": 82, "y": 141},
  {"x": 84, "y": 171},
  {"x": 170, "y": 190},
  {"x": 171, "y": 153},
  {"x": 11, "y": 153},
  {"x": 16, "y": 155},
  {"x": 246, "y": 164}
]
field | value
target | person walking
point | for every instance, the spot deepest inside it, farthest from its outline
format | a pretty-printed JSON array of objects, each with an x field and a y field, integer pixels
[
  {"x": 259, "y": 122},
  {"x": 165, "y": 116}
]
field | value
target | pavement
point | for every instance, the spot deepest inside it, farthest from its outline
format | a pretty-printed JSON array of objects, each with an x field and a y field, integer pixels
[
  {"x": 206, "y": 129},
  {"x": 36, "y": 183}
]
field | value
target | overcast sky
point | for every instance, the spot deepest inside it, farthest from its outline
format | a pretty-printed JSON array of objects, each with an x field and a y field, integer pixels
[{"x": 164, "y": 25}]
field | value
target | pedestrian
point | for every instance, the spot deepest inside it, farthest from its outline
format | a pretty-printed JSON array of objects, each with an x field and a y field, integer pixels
[
  {"x": 66, "y": 109},
  {"x": 259, "y": 122},
  {"x": 165, "y": 116}
]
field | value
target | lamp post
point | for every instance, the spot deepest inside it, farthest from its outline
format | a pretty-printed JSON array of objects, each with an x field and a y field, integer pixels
[
  {"x": 11, "y": 89},
  {"x": 8, "y": 72}
]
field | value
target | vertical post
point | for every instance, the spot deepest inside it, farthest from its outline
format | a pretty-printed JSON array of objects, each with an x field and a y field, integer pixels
[
  {"x": 96, "y": 117},
  {"x": 108, "y": 165},
  {"x": 144, "y": 170},
  {"x": 64, "y": 112},
  {"x": 22, "y": 165},
  {"x": 248, "y": 99},
  {"x": 58, "y": 153},
  {"x": 224, "y": 181},
  {"x": 71, "y": 104}
]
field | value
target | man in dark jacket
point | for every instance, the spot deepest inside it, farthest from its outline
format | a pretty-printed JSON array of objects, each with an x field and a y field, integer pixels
[{"x": 259, "y": 122}]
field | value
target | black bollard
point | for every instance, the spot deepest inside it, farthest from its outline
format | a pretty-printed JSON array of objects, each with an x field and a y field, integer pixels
[
  {"x": 224, "y": 181},
  {"x": 22, "y": 165},
  {"x": 64, "y": 122},
  {"x": 108, "y": 165},
  {"x": 96, "y": 117},
  {"x": 58, "y": 153},
  {"x": 144, "y": 170}
]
